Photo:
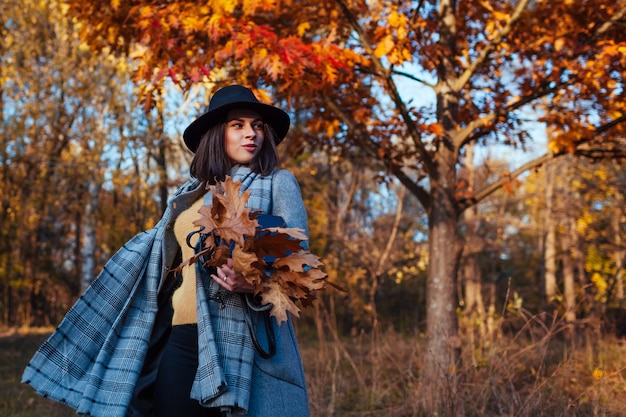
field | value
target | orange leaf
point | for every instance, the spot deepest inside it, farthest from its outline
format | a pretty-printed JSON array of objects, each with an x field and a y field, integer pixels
[
  {"x": 281, "y": 303},
  {"x": 384, "y": 47},
  {"x": 247, "y": 264},
  {"x": 304, "y": 282},
  {"x": 206, "y": 219},
  {"x": 297, "y": 261}
]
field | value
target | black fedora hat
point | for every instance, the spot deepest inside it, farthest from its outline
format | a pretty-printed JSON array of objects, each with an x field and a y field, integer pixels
[{"x": 232, "y": 97}]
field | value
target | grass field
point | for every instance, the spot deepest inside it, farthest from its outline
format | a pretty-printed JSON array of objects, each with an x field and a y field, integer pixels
[
  {"x": 16, "y": 399},
  {"x": 521, "y": 376}
]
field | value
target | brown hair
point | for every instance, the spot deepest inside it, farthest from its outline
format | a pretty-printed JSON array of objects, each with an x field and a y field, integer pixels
[{"x": 211, "y": 164}]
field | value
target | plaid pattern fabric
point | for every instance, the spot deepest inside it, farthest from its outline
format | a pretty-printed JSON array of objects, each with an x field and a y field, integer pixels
[
  {"x": 93, "y": 359},
  {"x": 226, "y": 353}
]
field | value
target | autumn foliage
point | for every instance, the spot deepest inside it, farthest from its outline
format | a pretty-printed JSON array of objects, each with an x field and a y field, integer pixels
[
  {"x": 403, "y": 88},
  {"x": 270, "y": 258}
]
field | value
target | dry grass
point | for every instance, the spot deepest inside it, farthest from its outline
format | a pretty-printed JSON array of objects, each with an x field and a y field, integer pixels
[
  {"x": 535, "y": 371},
  {"x": 16, "y": 399}
]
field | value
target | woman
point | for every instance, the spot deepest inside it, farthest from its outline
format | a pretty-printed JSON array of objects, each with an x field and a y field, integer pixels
[{"x": 130, "y": 348}]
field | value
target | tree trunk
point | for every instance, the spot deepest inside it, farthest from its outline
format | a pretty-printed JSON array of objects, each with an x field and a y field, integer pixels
[
  {"x": 620, "y": 253},
  {"x": 439, "y": 384},
  {"x": 474, "y": 307},
  {"x": 160, "y": 156},
  {"x": 88, "y": 239},
  {"x": 549, "y": 246},
  {"x": 439, "y": 380},
  {"x": 569, "y": 292},
  {"x": 381, "y": 264}
]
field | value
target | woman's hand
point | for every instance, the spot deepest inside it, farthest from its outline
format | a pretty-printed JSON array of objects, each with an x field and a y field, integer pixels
[{"x": 228, "y": 279}]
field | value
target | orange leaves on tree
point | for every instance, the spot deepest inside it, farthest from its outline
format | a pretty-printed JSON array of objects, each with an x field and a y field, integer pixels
[
  {"x": 392, "y": 38},
  {"x": 270, "y": 258},
  {"x": 510, "y": 184},
  {"x": 384, "y": 46},
  {"x": 436, "y": 129}
]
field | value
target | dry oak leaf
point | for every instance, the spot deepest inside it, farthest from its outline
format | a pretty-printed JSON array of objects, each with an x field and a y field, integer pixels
[
  {"x": 274, "y": 244},
  {"x": 305, "y": 281},
  {"x": 273, "y": 294},
  {"x": 247, "y": 264},
  {"x": 228, "y": 216},
  {"x": 298, "y": 261}
]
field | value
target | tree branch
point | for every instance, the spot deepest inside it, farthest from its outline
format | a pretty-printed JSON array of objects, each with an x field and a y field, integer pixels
[
  {"x": 385, "y": 73},
  {"x": 419, "y": 192},
  {"x": 413, "y": 77},
  {"x": 612, "y": 21},
  {"x": 495, "y": 186},
  {"x": 392, "y": 236},
  {"x": 469, "y": 72},
  {"x": 611, "y": 124},
  {"x": 465, "y": 136},
  {"x": 582, "y": 149}
]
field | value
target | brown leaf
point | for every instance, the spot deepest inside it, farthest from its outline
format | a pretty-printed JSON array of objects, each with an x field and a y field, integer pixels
[
  {"x": 292, "y": 232},
  {"x": 234, "y": 203},
  {"x": 230, "y": 214},
  {"x": 206, "y": 219},
  {"x": 249, "y": 265},
  {"x": 310, "y": 280},
  {"x": 273, "y": 294},
  {"x": 220, "y": 256},
  {"x": 191, "y": 260},
  {"x": 274, "y": 245},
  {"x": 297, "y": 261}
]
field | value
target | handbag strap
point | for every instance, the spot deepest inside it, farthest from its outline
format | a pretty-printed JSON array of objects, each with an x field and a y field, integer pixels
[{"x": 269, "y": 330}]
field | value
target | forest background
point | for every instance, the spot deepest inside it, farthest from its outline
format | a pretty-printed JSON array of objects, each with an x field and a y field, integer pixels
[{"x": 461, "y": 164}]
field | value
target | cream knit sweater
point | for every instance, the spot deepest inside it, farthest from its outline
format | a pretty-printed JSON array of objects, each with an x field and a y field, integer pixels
[{"x": 184, "y": 298}]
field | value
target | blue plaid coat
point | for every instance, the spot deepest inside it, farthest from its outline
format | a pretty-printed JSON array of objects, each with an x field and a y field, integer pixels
[{"x": 103, "y": 357}]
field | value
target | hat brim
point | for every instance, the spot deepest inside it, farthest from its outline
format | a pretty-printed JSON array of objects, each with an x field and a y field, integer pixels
[{"x": 275, "y": 117}]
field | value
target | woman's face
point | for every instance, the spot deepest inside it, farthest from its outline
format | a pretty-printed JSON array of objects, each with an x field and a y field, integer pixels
[{"x": 244, "y": 135}]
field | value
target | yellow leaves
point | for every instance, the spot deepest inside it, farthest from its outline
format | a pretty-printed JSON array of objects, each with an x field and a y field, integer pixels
[
  {"x": 567, "y": 137},
  {"x": 583, "y": 222},
  {"x": 332, "y": 128},
  {"x": 225, "y": 6},
  {"x": 600, "y": 284},
  {"x": 600, "y": 174},
  {"x": 558, "y": 44},
  {"x": 330, "y": 73},
  {"x": 115, "y": 4},
  {"x": 274, "y": 67},
  {"x": 384, "y": 46},
  {"x": 399, "y": 23},
  {"x": 303, "y": 27},
  {"x": 497, "y": 22},
  {"x": 145, "y": 12},
  {"x": 270, "y": 258},
  {"x": 392, "y": 38},
  {"x": 387, "y": 47},
  {"x": 598, "y": 373}
]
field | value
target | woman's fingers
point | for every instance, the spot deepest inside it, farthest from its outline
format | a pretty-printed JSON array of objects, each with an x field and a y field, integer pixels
[{"x": 227, "y": 278}]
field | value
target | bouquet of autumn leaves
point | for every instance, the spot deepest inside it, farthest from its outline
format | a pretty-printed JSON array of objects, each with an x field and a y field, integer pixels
[{"x": 269, "y": 258}]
